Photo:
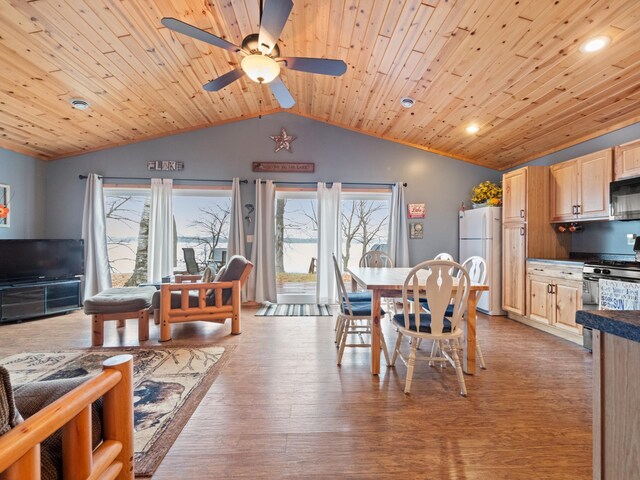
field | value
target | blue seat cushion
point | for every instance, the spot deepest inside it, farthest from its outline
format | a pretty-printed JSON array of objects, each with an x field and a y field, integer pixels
[
  {"x": 360, "y": 309},
  {"x": 425, "y": 322},
  {"x": 359, "y": 296},
  {"x": 447, "y": 313}
]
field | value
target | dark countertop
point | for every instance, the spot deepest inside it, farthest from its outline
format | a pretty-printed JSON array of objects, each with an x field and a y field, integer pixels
[
  {"x": 557, "y": 260},
  {"x": 622, "y": 323}
]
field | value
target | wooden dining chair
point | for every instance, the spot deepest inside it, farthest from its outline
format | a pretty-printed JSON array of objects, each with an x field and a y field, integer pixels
[
  {"x": 434, "y": 281},
  {"x": 354, "y": 318}
]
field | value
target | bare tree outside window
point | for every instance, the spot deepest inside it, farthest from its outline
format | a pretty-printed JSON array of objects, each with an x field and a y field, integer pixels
[{"x": 211, "y": 226}]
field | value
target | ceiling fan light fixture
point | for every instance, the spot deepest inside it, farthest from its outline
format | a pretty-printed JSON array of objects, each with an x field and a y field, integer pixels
[
  {"x": 595, "y": 44},
  {"x": 260, "y": 68}
]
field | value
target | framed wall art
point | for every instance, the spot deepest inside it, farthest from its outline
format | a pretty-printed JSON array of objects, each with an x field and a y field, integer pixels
[
  {"x": 5, "y": 208},
  {"x": 416, "y": 210},
  {"x": 416, "y": 230}
]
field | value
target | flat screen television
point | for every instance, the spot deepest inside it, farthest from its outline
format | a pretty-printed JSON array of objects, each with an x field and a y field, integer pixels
[{"x": 39, "y": 260}]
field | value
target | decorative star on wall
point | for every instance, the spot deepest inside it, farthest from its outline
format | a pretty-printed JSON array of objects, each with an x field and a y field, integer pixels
[{"x": 283, "y": 141}]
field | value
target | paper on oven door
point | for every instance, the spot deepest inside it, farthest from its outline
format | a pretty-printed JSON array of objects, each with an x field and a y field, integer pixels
[{"x": 615, "y": 295}]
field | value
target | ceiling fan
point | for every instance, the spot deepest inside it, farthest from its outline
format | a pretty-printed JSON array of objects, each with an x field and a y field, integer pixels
[{"x": 261, "y": 60}]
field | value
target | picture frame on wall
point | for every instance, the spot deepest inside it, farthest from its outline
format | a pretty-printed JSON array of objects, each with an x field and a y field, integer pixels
[
  {"x": 416, "y": 210},
  {"x": 5, "y": 207},
  {"x": 416, "y": 230}
]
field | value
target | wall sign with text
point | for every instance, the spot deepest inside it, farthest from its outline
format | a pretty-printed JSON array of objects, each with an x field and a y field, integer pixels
[
  {"x": 300, "y": 167},
  {"x": 416, "y": 210},
  {"x": 165, "y": 165}
]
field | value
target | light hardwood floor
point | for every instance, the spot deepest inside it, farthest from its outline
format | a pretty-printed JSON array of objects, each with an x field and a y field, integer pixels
[{"x": 282, "y": 409}]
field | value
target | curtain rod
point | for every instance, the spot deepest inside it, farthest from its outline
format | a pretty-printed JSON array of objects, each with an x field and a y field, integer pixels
[
  {"x": 343, "y": 183},
  {"x": 83, "y": 177}
]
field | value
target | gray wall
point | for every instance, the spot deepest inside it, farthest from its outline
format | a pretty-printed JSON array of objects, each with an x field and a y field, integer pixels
[
  {"x": 599, "y": 237},
  {"x": 26, "y": 177},
  {"x": 226, "y": 151}
]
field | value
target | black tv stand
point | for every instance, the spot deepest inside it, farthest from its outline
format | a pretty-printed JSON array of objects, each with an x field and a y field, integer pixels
[{"x": 21, "y": 301}]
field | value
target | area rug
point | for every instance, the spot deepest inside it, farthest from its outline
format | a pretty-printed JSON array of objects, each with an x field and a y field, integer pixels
[
  {"x": 169, "y": 383},
  {"x": 295, "y": 310}
]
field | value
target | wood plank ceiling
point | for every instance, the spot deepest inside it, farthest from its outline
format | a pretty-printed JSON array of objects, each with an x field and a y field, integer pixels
[{"x": 511, "y": 66}]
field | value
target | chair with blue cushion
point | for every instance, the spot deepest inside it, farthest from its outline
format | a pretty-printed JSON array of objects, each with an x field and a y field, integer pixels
[
  {"x": 354, "y": 318},
  {"x": 435, "y": 281},
  {"x": 476, "y": 267}
]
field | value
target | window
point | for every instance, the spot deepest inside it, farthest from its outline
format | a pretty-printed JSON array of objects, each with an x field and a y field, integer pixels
[
  {"x": 127, "y": 215},
  {"x": 296, "y": 245},
  {"x": 365, "y": 225},
  {"x": 201, "y": 220}
]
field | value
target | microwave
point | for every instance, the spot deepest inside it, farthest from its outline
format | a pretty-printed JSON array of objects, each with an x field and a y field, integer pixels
[{"x": 625, "y": 199}]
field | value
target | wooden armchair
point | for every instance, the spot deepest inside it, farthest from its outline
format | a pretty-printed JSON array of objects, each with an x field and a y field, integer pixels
[
  {"x": 204, "y": 301},
  {"x": 112, "y": 458}
]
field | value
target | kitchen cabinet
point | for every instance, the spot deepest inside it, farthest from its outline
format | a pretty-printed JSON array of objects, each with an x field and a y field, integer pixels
[
  {"x": 526, "y": 232},
  {"x": 579, "y": 188},
  {"x": 513, "y": 243},
  {"x": 514, "y": 188},
  {"x": 554, "y": 295},
  {"x": 627, "y": 160}
]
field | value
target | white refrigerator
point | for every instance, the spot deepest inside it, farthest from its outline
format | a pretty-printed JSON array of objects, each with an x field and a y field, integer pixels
[{"x": 481, "y": 234}]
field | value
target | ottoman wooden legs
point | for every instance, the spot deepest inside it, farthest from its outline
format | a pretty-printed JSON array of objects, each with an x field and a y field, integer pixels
[{"x": 97, "y": 335}]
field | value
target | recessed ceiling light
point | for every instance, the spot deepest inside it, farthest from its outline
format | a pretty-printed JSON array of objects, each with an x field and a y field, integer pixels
[
  {"x": 595, "y": 44},
  {"x": 407, "y": 102},
  {"x": 473, "y": 128},
  {"x": 79, "y": 103}
]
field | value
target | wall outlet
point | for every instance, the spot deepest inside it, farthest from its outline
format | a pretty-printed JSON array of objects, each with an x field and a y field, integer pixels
[
  {"x": 631, "y": 238},
  {"x": 250, "y": 239}
]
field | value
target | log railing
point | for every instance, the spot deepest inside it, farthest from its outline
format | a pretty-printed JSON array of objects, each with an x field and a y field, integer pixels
[{"x": 112, "y": 459}]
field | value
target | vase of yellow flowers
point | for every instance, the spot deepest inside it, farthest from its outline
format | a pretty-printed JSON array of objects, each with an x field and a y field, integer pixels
[{"x": 486, "y": 194}]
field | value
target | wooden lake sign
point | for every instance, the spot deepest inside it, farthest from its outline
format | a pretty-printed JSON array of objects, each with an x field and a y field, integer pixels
[{"x": 299, "y": 167}]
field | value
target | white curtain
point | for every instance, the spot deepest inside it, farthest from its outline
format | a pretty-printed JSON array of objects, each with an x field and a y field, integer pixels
[
  {"x": 398, "y": 234},
  {"x": 329, "y": 240},
  {"x": 236, "y": 228},
  {"x": 97, "y": 275},
  {"x": 262, "y": 281},
  {"x": 160, "y": 250}
]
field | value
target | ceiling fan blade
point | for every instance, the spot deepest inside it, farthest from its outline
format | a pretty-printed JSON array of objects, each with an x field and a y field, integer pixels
[
  {"x": 272, "y": 22},
  {"x": 223, "y": 80},
  {"x": 194, "y": 32},
  {"x": 324, "y": 66},
  {"x": 281, "y": 92}
]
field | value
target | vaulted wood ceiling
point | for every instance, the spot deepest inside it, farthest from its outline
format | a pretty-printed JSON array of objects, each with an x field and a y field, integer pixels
[{"x": 511, "y": 66}]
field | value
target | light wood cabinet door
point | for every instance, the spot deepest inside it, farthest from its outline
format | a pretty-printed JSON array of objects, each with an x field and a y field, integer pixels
[
  {"x": 513, "y": 267},
  {"x": 539, "y": 306},
  {"x": 563, "y": 191},
  {"x": 514, "y": 196},
  {"x": 568, "y": 300},
  {"x": 595, "y": 173},
  {"x": 627, "y": 160}
]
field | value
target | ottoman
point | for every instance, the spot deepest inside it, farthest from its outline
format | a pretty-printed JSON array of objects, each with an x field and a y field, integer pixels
[{"x": 119, "y": 304}]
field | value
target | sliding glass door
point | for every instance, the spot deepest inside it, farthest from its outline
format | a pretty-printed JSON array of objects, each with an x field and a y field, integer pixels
[{"x": 296, "y": 245}]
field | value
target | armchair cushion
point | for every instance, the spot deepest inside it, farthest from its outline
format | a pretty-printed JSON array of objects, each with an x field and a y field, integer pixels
[
  {"x": 425, "y": 322},
  {"x": 233, "y": 271},
  {"x": 9, "y": 414},
  {"x": 33, "y": 397}
]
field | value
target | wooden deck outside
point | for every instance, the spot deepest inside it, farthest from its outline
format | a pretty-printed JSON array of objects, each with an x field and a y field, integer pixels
[{"x": 282, "y": 409}]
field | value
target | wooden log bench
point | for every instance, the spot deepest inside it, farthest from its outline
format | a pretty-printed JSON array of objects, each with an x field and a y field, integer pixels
[{"x": 119, "y": 304}]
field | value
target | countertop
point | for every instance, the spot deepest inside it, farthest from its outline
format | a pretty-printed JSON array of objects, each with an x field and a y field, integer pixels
[
  {"x": 622, "y": 323},
  {"x": 557, "y": 260}
]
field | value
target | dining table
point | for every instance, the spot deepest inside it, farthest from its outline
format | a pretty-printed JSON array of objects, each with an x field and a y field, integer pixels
[{"x": 388, "y": 282}]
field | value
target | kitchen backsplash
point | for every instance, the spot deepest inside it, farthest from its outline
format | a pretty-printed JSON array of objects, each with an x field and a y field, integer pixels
[{"x": 605, "y": 237}]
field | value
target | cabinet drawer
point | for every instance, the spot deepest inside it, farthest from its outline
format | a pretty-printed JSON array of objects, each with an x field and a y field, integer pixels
[{"x": 568, "y": 271}]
